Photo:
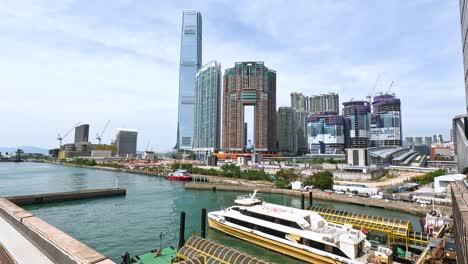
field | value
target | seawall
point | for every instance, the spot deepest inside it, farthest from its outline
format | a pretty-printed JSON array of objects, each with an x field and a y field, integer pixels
[
  {"x": 412, "y": 208},
  {"x": 65, "y": 196}
]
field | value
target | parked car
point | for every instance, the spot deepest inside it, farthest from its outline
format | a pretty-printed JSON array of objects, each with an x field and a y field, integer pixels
[
  {"x": 363, "y": 195},
  {"x": 308, "y": 187},
  {"x": 340, "y": 192},
  {"x": 328, "y": 191}
]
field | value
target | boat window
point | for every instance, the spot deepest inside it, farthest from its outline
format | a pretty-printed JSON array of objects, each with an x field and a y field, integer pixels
[
  {"x": 272, "y": 219},
  {"x": 307, "y": 218},
  {"x": 235, "y": 208},
  {"x": 263, "y": 229},
  {"x": 322, "y": 246}
]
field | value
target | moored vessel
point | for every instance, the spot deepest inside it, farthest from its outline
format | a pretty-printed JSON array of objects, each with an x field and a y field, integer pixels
[
  {"x": 298, "y": 233},
  {"x": 178, "y": 175}
]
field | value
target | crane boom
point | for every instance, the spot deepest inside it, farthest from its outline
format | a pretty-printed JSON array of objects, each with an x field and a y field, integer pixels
[
  {"x": 60, "y": 138},
  {"x": 99, "y": 136}
]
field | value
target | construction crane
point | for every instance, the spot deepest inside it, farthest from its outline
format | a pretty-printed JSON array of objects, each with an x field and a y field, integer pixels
[
  {"x": 371, "y": 93},
  {"x": 60, "y": 138},
  {"x": 390, "y": 87},
  {"x": 99, "y": 136},
  {"x": 147, "y": 145}
]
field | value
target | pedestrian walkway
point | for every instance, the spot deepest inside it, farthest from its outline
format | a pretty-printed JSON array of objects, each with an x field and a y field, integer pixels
[{"x": 19, "y": 247}]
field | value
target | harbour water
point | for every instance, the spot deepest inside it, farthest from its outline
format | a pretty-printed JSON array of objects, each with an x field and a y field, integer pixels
[{"x": 152, "y": 205}]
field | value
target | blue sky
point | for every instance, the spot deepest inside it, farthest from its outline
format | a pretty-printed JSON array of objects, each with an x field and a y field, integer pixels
[{"x": 65, "y": 61}]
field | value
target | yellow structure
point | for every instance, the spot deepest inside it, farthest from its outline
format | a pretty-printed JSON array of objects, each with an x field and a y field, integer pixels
[{"x": 397, "y": 231}]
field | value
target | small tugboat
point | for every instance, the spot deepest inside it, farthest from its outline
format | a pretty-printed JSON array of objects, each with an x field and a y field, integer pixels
[
  {"x": 178, "y": 175},
  {"x": 157, "y": 256}
]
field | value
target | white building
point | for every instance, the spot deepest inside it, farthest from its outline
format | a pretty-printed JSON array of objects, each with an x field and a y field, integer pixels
[{"x": 441, "y": 183}]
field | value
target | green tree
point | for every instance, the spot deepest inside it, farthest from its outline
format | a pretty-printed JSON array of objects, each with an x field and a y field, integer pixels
[
  {"x": 323, "y": 180},
  {"x": 288, "y": 174},
  {"x": 231, "y": 171}
]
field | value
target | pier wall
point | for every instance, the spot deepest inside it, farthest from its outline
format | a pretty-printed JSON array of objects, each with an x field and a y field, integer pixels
[
  {"x": 65, "y": 196},
  {"x": 412, "y": 208},
  {"x": 55, "y": 244},
  {"x": 460, "y": 219}
]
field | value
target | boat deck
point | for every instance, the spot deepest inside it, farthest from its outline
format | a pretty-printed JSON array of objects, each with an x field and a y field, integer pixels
[{"x": 167, "y": 254}]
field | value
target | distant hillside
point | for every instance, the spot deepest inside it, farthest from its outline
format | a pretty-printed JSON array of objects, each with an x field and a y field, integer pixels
[{"x": 26, "y": 149}]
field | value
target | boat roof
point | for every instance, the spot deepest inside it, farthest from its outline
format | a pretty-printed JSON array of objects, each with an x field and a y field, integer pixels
[{"x": 283, "y": 212}]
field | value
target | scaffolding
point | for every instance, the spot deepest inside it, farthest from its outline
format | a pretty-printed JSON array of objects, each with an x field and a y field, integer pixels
[{"x": 397, "y": 231}]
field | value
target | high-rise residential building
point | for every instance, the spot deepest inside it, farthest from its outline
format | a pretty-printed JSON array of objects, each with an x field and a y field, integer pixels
[
  {"x": 249, "y": 84},
  {"x": 126, "y": 142},
  {"x": 207, "y": 133},
  {"x": 190, "y": 63},
  {"x": 418, "y": 141},
  {"x": 285, "y": 132},
  {"x": 386, "y": 121},
  {"x": 409, "y": 141},
  {"x": 82, "y": 133},
  {"x": 292, "y": 131},
  {"x": 428, "y": 141},
  {"x": 326, "y": 133},
  {"x": 299, "y": 102},
  {"x": 357, "y": 114},
  {"x": 324, "y": 103}
]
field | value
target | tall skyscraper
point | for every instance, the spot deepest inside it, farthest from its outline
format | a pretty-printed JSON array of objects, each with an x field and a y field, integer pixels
[
  {"x": 291, "y": 135},
  {"x": 126, "y": 141},
  {"x": 386, "y": 121},
  {"x": 285, "y": 119},
  {"x": 460, "y": 122},
  {"x": 249, "y": 83},
  {"x": 326, "y": 133},
  {"x": 357, "y": 114},
  {"x": 298, "y": 102},
  {"x": 82, "y": 133},
  {"x": 190, "y": 63},
  {"x": 324, "y": 103},
  {"x": 208, "y": 109}
]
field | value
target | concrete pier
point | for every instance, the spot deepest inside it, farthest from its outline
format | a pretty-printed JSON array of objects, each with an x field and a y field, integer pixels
[
  {"x": 65, "y": 196},
  {"x": 412, "y": 208}
]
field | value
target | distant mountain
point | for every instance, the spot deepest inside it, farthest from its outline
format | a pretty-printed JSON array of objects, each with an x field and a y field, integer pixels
[{"x": 26, "y": 149}]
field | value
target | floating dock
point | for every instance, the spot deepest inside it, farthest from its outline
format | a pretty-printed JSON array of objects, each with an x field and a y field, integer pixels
[{"x": 65, "y": 196}]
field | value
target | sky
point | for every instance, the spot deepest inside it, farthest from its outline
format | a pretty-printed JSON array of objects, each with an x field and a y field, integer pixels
[{"x": 66, "y": 61}]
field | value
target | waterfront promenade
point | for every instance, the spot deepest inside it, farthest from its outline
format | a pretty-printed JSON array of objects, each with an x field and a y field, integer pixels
[{"x": 412, "y": 208}]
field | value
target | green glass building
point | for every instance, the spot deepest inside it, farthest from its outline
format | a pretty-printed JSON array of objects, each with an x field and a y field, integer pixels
[{"x": 207, "y": 109}]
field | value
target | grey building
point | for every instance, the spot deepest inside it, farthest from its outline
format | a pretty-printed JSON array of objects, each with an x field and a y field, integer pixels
[
  {"x": 409, "y": 141},
  {"x": 324, "y": 103},
  {"x": 82, "y": 133},
  {"x": 190, "y": 63},
  {"x": 357, "y": 114},
  {"x": 292, "y": 131},
  {"x": 299, "y": 102},
  {"x": 428, "y": 141},
  {"x": 126, "y": 141},
  {"x": 207, "y": 109}
]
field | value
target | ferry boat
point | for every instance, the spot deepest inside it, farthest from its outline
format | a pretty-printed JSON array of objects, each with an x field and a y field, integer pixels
[
  {"x": 178, "y": 175},
  {"x": 301, "y": 234}
]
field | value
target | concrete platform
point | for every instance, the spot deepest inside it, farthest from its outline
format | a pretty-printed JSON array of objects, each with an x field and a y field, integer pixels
[
  {"x": 29, "y": 239},
  {"x": 65, "y": 196},
  {"x": 19, "y": 247}
]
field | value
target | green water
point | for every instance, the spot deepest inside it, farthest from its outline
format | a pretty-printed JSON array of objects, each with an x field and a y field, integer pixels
[{"x": 152, "y": 205}]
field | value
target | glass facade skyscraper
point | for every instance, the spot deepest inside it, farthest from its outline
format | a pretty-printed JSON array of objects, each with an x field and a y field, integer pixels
[
  {"x": 326, "y": 133},
  {"x": 190, "y": 63},
  {"x": 386, "y": 121},
  {"x": 208, "y": 109}
]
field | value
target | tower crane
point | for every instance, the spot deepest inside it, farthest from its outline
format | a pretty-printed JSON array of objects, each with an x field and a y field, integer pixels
[
  {"x": 99, "y": 136},
  {"x": 60, "y": 138},
  {"x": 390, "y": 87},
  {"x": 371, "y": 93}
]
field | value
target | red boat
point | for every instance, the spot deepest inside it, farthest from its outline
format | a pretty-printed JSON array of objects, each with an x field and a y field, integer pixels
[{"x": 178, "y": 175}]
